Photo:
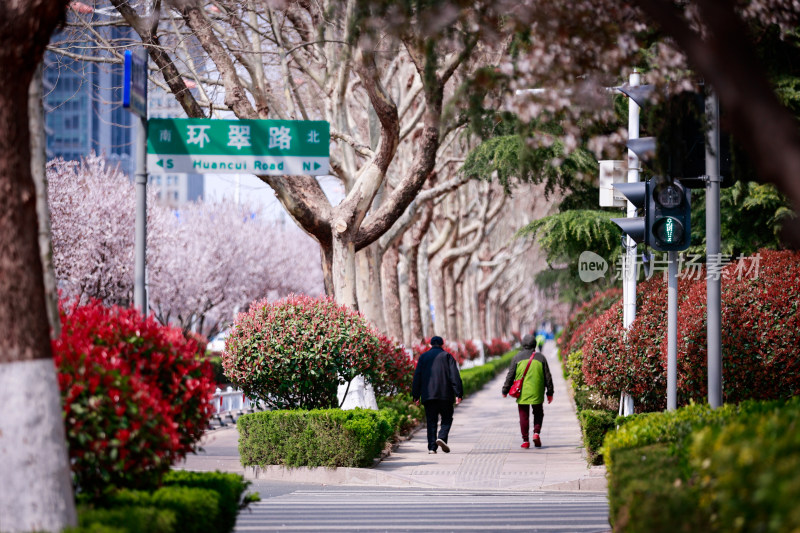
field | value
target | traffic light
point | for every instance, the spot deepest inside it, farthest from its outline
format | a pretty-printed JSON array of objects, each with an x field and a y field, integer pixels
[
  {"x": 669, "y": 216},
  {"x": 637, "y": 228}
]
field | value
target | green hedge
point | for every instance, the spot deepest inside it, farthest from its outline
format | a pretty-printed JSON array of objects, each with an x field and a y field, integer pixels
[
  {"x": 409, "y": 415},
  {"x": 190, "y": 502},
  {"x": 698, "y": 469},
  {"x": 320, "y": 437},
  {"x": 594, "y": 426},
  {"x": 335, "y": 438},
  {"x": 475, "y": 378}
]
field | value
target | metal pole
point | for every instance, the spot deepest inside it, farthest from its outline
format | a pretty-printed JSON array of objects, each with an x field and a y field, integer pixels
[
  {"x": 672, "y": 332},
  {"x": 629, "y": 277},
  {"x": 140, "y": 236},
  {"x": 713, "y": 259},
  {"x": 629, "y": 269}
]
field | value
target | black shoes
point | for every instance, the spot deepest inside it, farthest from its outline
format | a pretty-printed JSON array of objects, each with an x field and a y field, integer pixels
[{"x": 443, "y": 445}]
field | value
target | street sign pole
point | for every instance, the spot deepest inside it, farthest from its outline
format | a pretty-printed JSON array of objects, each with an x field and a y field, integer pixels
[
  {"x": 140, "y": 238},
  {"x": 134, "y": 97}
]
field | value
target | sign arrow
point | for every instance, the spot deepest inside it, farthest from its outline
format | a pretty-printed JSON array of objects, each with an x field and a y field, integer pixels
[
  {"x": 316, "y": 165},
  {"x": 160, "y": 163}
]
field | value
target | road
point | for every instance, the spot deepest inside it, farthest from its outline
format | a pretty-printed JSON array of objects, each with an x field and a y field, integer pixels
[{"x": 313, "y": 508}]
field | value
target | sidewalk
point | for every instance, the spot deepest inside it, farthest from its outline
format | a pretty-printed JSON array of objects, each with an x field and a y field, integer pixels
[{"x": 484, "y": 443}]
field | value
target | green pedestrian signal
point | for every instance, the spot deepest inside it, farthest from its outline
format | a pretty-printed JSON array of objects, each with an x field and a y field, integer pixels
[{"x": 669, "y": 213}]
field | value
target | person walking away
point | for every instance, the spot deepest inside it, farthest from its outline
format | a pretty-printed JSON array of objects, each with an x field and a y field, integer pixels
[
  {"x": 437, "y": 382},
  {"x": 537, "y": 382}
]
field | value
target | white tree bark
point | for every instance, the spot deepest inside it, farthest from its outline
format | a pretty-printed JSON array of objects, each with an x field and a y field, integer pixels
[{"x": 36, "y": 488}]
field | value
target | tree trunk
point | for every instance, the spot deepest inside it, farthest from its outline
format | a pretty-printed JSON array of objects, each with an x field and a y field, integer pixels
[
  {"x": 451, "y": 322},
  {"x": 36, "y": 493},
  {"x": 436, "y": 276},
  {"x": 326, "y": 258},
  {"x": 391, "y": 293},
  {"x": 482, "y": 316},
  {"x": 39, "y": 174},
  {"x": 344, "y": 267},
  {"x": 423, "y": 269},
  {"x": 368, "y": 286},
  {"x": 412, "y": 241},
  {"x": 403, "y": 293}
]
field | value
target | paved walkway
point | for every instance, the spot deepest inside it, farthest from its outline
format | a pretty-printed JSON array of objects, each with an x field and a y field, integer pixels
[{"x": 485, "y": 452}]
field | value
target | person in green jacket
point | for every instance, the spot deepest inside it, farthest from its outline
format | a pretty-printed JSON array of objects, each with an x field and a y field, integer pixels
[{"x": 538, "y": 383}]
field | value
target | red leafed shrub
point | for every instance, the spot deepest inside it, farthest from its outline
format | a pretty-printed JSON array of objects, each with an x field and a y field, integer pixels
[
  {"x": 456, "y": 349},
  {"x": 497, "y": 347},
  {"x": 471, "y": 350},
  {"x": 420, "y": 348},
  {"x": 760, "y": 331},
  {"x": 394, "y": 368},
  {"x": 136, "y": 397},
  {"x": 613, "y": 363},
  {"x": 295, "y": 352},
  {"x": 582, "y": 319}
]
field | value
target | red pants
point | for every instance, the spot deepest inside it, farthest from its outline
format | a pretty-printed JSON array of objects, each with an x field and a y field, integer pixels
[{"x": 525, "y": 418}]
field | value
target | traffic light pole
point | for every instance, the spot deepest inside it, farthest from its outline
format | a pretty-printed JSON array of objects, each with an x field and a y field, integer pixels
[
  {"x": 713, "y": 259},
  {"x": 629, "y": 270},
  {"x": 672, "y": 332}
]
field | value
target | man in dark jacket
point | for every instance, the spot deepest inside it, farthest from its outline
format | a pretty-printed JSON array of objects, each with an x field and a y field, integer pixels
[{"x": 438, "y": 383}]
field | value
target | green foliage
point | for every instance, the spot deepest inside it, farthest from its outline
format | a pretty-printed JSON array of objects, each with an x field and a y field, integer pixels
[
  {"x": 754, "y": 217},
  {"x": 510, "y": 157},
  {"x": 594, "y": 426},
  {"x": 331, "y": 437},
  {"x": 574, "y": 369},
  {"x": 408, "y": 413},
  {"x": 229, "y": 488},
  {"x": 747, "y": 472},
  {"x": 475, "y": 378},
  {"x": 219, "y": 373},
  {"x": 201, "y": 502},
  {"x": 729, "y": 469},
  {"x": 563, "y": 237},
  {"x": 124, "y": 519}
]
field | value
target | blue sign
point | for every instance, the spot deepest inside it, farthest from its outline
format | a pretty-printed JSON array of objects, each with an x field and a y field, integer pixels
[{"x": 134, "y": 86}]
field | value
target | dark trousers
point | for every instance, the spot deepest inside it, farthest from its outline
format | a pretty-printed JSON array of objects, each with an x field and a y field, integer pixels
[
  {"x": 433, "y": 409},
  {"x": 525, "y": 418}
]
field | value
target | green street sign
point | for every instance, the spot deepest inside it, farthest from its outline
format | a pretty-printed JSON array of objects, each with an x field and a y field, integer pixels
[{"x": 208, "y": 146}]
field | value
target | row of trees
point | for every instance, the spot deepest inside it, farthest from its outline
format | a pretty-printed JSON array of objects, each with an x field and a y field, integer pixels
[{"x": 205, "y": 260}]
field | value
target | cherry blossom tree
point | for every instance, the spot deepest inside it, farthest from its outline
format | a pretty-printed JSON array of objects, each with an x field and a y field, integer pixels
[{"x": 204, "y": 260}]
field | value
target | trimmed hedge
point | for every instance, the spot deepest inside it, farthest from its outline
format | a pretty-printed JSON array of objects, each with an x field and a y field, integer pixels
[
  {"x": 335, "y": 438},
  {"x": 321, "y": 437},
  {"x": 475, "y": 378},
  {"x": 192, "y": 502},
  {"x": 594, "y": 426},
  {"x": 408, "y": 413},
  {"x": 698, "y": 469}
]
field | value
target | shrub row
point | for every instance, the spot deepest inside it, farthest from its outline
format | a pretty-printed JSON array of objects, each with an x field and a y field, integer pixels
[
  {"x": 191, "y": 502},
  {"x": 335, "y": 438},
  {"x": 320, "y": 437},
  {"x": 760, "y": 332},
  {"x": 475, "y": 378},
  {"x": 698, "y": 469}
]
